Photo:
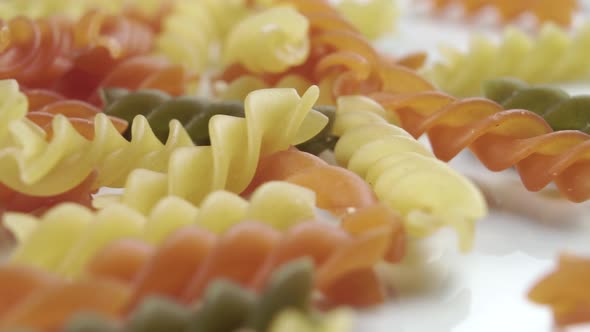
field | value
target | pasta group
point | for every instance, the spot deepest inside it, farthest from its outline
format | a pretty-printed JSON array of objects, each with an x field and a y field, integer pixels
[
  {"x": 552, "y": 56},
  {"x": 560, "y": 110}
]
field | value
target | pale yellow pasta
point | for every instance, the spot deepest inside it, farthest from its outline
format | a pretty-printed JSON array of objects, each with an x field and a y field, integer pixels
[
  {"x": 275, "y": 119},
  {"x": 243, "y": 85},
  {"x": 339, "y": 320},
  {"x": 32, "y": 165},
  {"x": 270, "y": 41},
  {"x": 404, "y": 174},
  {"x": 67, "y": 236},
  {"x": 194, "y": 28},
  {"x": 71, "y": 8},
  {"x": 373, "y": 18},
  {"x": 553, "y": 56}
]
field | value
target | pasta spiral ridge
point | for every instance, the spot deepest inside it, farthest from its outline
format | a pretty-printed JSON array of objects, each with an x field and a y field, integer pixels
[
  {"x": 543, "y": 10},
  {"x": 274, "y": 120},
  {"x": 192, "y": 28},
  {"x": 499, "y": 138},
  {"x": 518, "y": 56},
  {"x": 403, "y": 173},
  {"x": 559, "y": 109},
  {"x": 566, "y": 291},
  {"x": 34, "y": 166},
  {"x": 81, "y": 233},
  {"x": 193, "y": 112}
]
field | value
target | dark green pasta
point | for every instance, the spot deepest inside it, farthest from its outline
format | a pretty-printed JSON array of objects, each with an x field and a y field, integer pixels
[
  {"x": 194, "y": 113},
  {"x": 225, "y": 307},
  {"x": 559, "y": 109}
]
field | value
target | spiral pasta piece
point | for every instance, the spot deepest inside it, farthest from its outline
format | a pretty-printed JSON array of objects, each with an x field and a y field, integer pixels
[
  {"x": 518, "y": 56},
  {"x": 42, "y": 51},
  {"x": 559, "y": 109},
  {"x": 373, "y": 18},
  {"x": 34, "y": 166},
  {"x": 274, "y": 120},
  {"x": 270, "y": 41},
  {"x": 193, "y": 112},
  {"x": 225, "y": 306},
  {"x": 193, "y": 28},
  {"x": 403, "y": 173},
  {"x": 566, "y": 291},
  {"x": 499, "y": 138},
  {"x": 341, "y": 61},
  {"x": 81, "y": 233},
  {"x": 561, "y": 12},
  {"x": 290, "y": 320}
]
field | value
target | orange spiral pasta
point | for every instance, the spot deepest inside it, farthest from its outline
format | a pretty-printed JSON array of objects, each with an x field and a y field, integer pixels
[
  {"x": 52, "y": 52},
  {"x": 341, "y": 61},
  {"x": 566, "y": 291},
  {"x": 560, "y": 12},
  {"x": 499, "y": 138}
]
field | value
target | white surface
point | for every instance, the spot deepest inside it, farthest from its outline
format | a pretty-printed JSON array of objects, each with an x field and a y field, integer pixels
[{"x": 485, "y": 291}]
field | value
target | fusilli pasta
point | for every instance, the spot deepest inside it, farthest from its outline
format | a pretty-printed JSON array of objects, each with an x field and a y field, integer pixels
[
  {"x": 518, "y": 56},
  {"x": 559, "y": 109},
  {"x": 566, "y": 291},
  {"x": 403, "y": 173},
  {"x": 81, "y": 233},
  {"x": 275, "y": 119}
]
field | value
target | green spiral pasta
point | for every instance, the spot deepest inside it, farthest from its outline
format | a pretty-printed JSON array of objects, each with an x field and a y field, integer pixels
[
  {"x": 405, "y": 174},
  {"x": 194, "y": 113},
  {"x": 66, "y": 237},
  {"x": 227, "y": 307},
  {"x": 552, "y": 56},
  {"x": 270, "y": 41},
  {"x": 559, "y": 109},
  {"x": 275, "y": 119},
  {"x": 34, "y": 166}
]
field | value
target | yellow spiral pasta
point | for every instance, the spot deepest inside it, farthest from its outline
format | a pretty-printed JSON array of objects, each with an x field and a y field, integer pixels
[
  {"x": 275, "y": 119},
  {"x": 373, "y": 18},
  {"x": 404, "y": 174},
  {"x": 553, "y": 56},
  {"x": 339, "y": 320},
  {"x": 67, "y": 236},
  {"x": 34, "y": 166},
  {"x": 270, "y": 41},
  {"x": 193, "y": 28}
]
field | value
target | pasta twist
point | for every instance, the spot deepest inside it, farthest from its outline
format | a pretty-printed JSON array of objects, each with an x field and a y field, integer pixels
[
  {"x": 193, "y": 112},
  {"x": 404, "y": 174},
  {"x": 559, "y": 109},
  {"x": 286, "y": 297},
  {"x": 518, "y": 56},
  {"x": 275, "y": 119},
  {"x": 41, "y": 51},
  {"x": 193, "y": 28},
  {"x": 341, "y": 61},
  {"x": 566, "y": 291},
  {"x": 561, "y": 12},
  {"x": 373, "y": 18},
  {"x": 248, "y": 254},
  {"x": 79, "y": 234},
  {"x": 499, "y": 138},
  {"x": 31, "y": 165},
  {"x": 270, "y": 41}
]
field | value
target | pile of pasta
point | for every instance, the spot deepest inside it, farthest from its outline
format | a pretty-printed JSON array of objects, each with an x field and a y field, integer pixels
[{"x": 241, "y": 165}]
